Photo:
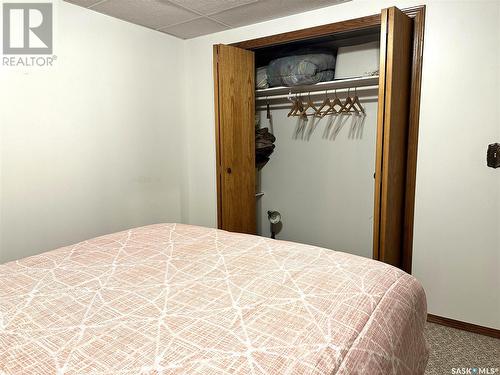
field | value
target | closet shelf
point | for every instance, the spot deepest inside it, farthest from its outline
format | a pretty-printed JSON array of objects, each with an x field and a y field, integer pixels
[{"x": 370, "y": 82}]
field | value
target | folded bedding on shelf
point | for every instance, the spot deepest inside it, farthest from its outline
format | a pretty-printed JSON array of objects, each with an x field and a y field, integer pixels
[{"x": 303, "y": 69}]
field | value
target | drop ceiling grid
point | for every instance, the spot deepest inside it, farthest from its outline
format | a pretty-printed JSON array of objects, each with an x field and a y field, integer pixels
[
  {"x": 191, "y": 18},
  {"x": 209, "y": 7}
]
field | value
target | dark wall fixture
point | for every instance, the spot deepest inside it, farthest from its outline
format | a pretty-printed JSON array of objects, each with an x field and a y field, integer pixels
[{"x": 493, "y": 155}]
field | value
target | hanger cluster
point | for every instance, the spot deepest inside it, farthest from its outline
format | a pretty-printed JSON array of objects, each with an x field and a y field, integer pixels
[{"x": 350, "y": 106}]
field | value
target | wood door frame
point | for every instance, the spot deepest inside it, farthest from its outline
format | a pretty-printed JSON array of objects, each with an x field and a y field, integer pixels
[{"x": 418, "y": 15}]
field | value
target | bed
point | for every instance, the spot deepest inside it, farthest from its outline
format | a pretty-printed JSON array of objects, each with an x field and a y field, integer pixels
[{"x": 181, "y": 299}]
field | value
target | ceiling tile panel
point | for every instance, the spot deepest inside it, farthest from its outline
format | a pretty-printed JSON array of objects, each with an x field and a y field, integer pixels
[
  {"x": 185, "y": 18},
  {"x": 265, "y": 10},
  {"x": 208, "y": 7},
  {"x": 194, "y": 28},
  {"x": 149, "y": 13}
]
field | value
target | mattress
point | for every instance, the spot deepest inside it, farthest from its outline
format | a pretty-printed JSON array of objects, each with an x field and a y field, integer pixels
[{"x": 180, "y": 299}]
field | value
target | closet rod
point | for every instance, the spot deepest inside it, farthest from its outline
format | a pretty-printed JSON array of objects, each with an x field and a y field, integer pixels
[
  {"x": 316, "y": 93},
  {"x": 339, "y": 84}
]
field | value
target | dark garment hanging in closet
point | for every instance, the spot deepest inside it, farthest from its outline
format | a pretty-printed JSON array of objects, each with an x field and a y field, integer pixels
[{"x": 264, "y": 146}]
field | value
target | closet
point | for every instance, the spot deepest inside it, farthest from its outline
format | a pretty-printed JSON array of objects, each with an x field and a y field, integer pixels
[{"x": 396, "y": 89}]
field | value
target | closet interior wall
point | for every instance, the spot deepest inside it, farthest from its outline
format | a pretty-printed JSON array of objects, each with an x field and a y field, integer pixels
[{"x": 321, "y": 174}]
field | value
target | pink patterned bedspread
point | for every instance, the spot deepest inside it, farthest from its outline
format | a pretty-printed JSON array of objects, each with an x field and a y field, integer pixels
[{"x": 180, "y": 299}]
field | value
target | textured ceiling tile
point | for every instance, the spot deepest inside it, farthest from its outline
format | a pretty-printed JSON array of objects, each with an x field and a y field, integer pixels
[
  {"x": 165, "y": 14},
  {"x": 211, "y": 6},
  {"x": 149, "y": 13},
  {"x": 269, "y": 9},
  {"x": 83, "y": 3},
  {"x": 194, "y": 28}
]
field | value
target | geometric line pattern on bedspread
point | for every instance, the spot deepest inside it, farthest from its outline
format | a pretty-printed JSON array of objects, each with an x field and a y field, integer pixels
[{"x": 181, "y": 299}]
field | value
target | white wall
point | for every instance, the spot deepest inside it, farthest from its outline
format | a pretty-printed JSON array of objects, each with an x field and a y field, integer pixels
[
  {"x": 457, "y": 219},
  {"x": 457, "y": 245},
  {"x": 94, "y": 144}
]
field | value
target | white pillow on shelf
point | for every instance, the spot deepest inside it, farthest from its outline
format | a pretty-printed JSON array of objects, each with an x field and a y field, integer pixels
[{"x": 358, "y": 60}]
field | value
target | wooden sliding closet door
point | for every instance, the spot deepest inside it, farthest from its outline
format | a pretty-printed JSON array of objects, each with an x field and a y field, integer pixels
[
  {"x": 392, "y": 135},
  {"x": 234, "y": 74}
]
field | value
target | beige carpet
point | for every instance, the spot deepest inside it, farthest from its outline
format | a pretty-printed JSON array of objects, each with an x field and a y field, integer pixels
[{"x": 452, "y": 348}]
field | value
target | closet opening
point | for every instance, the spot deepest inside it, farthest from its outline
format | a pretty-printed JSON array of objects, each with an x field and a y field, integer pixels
[
  {"x": 328, "y": 142},
  {"x": 316, "y": 166}
]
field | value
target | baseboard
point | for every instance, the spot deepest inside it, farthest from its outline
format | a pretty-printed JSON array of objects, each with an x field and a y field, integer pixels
[{"x": 486, "y": 331}]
